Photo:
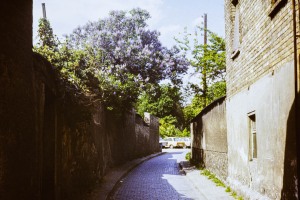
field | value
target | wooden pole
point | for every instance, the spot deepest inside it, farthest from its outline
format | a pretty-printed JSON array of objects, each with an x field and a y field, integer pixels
[{"x": 44, "y": 10}]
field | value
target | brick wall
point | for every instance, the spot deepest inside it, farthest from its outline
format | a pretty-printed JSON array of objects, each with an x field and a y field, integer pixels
[{"x": 265, "y": 43}]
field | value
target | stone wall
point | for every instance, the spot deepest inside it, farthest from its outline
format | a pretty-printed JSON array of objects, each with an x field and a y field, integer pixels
[
  {"x": 147, "y": 135},
  {"x": 209, "y": 138},
  {"x": 261, "y": 83},
  {"x": 79, "y": 143},
  {"x": 82, "y": 142},
  {"x": 52, "y": 144}
]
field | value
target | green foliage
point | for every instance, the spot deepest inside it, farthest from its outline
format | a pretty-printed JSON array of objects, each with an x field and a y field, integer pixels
[
  {"x": 45, "y": 34},
  {"x": 167, "y": 127},
  {"x": 208, "y": 59},
  {"x": 209, "y": 62},
  {"x": 188, "y": 156},
  {"x": 185, "y": 133},
  {"x": 219, "y": 183},
  {"x": 228, "y": 189},
  {"x": 164, "y": 101},
  {"x": 113, "y": 60},
  {"x": 213, "y": 177},
  {"x": 191, "y": 110},
  {"x": 125, "y": 57}
]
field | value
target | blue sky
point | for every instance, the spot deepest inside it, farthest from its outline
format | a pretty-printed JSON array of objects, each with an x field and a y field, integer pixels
[{"x": 168, "y": 16}]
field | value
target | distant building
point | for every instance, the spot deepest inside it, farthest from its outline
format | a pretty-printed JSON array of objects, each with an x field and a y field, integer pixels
[{"x": 260, "y": 105}]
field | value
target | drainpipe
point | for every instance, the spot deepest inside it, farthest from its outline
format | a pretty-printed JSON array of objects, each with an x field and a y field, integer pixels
[{"x": 296, "y": 71}]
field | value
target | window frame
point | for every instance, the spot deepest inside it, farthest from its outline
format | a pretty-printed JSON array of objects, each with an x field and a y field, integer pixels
[
  {"x": 253, "y": 153},
  {"x": 236, "y": 31},
  {"x": 275, "y": 7}
]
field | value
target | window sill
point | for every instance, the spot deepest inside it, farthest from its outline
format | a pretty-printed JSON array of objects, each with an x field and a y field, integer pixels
[
  {"x": 276, "y": 8},
  {"x": 235, "y": 54}
]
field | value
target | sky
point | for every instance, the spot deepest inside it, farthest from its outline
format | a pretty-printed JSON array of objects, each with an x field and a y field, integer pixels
[{"x": 169, "y": 17}]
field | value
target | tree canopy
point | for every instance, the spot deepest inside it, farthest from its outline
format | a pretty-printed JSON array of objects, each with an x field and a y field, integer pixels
[
  {"x": 165, "y": 101},
  {"x": 209, "y": 62},
  {"x": 115, "y": 58}
]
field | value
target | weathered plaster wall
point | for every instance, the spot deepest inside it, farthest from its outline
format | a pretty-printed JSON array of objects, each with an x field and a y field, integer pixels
[
  {"x": 273, "y": 173},
  {"x": 209, "y": 132},
  {"x": 261, "y": 79}
]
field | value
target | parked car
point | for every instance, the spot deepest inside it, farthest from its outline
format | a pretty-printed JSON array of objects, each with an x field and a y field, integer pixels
[
  {"x": 162, "y": 143},
  {"x": 173, "y": 142},
  {"x": 187, "y": 142}
]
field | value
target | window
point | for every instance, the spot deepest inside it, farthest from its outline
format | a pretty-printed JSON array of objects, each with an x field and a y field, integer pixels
[
  {"x": 276, "y": 6},
  {"x": 252, "y": 136},
  {"x": 234, "y": 2},
  {"x": 236, "y": 29}
]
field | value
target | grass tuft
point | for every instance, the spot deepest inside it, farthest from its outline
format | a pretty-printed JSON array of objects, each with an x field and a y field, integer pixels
[
  {"x": 188, "y": 156},
  {"x": 219, "y": 183}
]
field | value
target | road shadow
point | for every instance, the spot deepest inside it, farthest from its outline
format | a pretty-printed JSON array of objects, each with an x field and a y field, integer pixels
[{"x": 158, "y": 178}]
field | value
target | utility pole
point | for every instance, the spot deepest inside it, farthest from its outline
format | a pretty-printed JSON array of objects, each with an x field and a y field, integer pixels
[
  {"x": 44, "y": 10},
  {"x": 204, "y": 71},
  {"x": 205, "y": 28}
]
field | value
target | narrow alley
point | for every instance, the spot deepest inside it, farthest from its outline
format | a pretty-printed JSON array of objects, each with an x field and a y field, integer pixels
[{"x": 161, "y": 178}]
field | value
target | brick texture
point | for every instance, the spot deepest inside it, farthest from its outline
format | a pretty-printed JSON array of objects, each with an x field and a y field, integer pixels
[{"x": 265, "y": 43}]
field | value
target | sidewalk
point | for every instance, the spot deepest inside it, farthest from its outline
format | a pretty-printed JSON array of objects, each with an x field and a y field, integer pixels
[
  {"x": 206, "y": 187},
  {"x": 111, "y": 179}
]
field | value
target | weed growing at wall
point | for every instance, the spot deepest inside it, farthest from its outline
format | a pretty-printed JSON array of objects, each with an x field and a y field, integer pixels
[
  {"x": 188, "y": 156},
  {"x": 219, "y": 183}
]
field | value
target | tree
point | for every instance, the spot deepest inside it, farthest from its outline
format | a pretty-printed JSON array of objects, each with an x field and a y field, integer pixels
[
  {"x": 124, "y": 58},
  {"x": 114, "y": 59},
  {"x": 45, "y": 34},
  {"x": 192, "y": 109},
  {"x": 163, "y": 102},
  {"x": 209, "y": 61}
]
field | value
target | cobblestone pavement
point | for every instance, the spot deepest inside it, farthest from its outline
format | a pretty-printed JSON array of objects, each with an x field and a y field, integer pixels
[{"x": 158, "y": 178}]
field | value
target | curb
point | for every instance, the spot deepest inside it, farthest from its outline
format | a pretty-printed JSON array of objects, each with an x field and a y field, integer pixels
[
  {"x": 112, "y": 179},
  {"x": 186, "y": 166}
]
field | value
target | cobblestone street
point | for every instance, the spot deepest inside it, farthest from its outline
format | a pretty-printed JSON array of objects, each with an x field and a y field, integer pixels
[{"x": 158, "y": 178}]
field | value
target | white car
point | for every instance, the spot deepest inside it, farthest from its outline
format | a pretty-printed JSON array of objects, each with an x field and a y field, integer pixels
[
  {"x": 174, "y": 142},
  {"x": 163, "y": 143},
  {"x": 187, "y": 142}
]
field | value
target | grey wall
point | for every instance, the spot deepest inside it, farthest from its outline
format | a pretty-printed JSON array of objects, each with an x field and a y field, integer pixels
[
  {"x": 147, "y": 135},
  {"x": 209, "y": 133},
  {"x": 273, "y": 173}
]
